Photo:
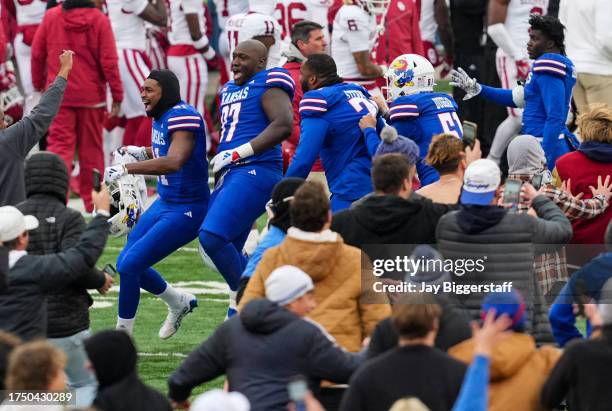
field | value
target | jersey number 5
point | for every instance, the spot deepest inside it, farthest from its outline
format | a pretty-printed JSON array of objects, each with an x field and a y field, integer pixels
[
  {"x": 451, "y": 124},
  {"x": 229, "y": 113}
]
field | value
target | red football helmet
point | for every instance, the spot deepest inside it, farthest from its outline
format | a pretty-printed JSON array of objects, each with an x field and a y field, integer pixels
[{"x": 11, "y": 100}]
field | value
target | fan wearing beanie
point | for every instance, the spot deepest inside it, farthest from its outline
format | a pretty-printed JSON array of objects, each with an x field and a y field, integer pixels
[
  {"x": 518, "y": 369},
  {"x": 263, "y": 348}
]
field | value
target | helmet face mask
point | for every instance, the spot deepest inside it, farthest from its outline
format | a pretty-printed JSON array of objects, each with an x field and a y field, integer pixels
[
  {"x": 409, "y": 74},
  {"x": 377, "y": 7},
  {"x": 128, "y": 197}
]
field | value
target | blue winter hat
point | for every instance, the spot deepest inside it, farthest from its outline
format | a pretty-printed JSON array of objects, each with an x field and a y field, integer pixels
[
  {"x": 394, "y": 143},
  {"x": 509, "y": 303}
]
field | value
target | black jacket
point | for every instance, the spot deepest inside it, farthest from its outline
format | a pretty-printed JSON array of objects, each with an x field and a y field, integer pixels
[
  {"x": 454, "y": 328},
  {"x": 113, "y": 357},
  {"x": 506, "y": 244},
  {"x": 389, "y": 219},
  {"x": 582, "y": 375},
  {"x": 46, "y": 182},
  {"x": 23, "y": 308},
  {"x": 412, "y": 371},
  {"x": 260, "y": 351}
]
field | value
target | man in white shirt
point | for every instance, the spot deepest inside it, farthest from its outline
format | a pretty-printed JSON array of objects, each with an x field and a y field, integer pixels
[{"x": 588, "y": 41}]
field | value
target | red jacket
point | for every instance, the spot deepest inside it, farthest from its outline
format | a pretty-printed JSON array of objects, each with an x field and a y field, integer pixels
[
  {"x": 87, "y": 32},
  {"x": 402, "y": 33},
  {"x": 583, "y": 172},
  {"x": 290, "y": 145}
]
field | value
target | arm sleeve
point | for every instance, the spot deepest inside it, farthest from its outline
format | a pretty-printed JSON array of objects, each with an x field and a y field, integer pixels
[
  {"x": 372, "y": 140},
  {"x": 38, "y": 59},
  {"x": 577, "y": 208},
  {"x": 474, "y": 390},
  {"x": 109, "y": 62},
  {"x": 327, "y": 361},
  {"x": 498, "y": 95},
  {"x": 551, "y": 90},
  {"x": 24, "y": 134},
  {"x": 552, "y": 229},
  {"x": 203, "y": 364},
  {"x": 67, "y": 266},
  {"x": 562, "y": 318},
  {"x": 312, "y": 134},
  {"x": 556, "y": 386}
]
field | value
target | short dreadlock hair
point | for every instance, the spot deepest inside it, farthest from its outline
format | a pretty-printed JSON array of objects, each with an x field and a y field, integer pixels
[{"x": 551, "y": 27}]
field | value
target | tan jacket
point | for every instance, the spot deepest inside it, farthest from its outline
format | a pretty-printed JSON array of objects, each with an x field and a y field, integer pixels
[
  {"x": 335, "y": 269},
  {"x": 518, "y": 371}
]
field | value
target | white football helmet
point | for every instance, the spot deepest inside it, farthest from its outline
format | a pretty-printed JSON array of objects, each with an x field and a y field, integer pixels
[
  {"x": 375, "y": 7},
  {"x": 409, "y": 74},
  {"x": 128, "y": 198}
]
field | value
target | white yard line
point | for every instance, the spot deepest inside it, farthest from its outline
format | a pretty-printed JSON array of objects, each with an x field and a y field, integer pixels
[{"x": 162, "y": 354}]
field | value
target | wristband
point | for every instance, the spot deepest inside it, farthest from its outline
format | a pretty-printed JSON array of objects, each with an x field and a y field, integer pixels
[
  {"x": 245, "y": 150},
  {"x": 209, "y": 54},
  {"x": 201, "y": 43}
]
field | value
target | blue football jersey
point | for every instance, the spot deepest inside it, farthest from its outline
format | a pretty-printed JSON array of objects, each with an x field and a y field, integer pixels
[
  {"x": 190, "y": 183},
  {"x": 421, "y": 116},
  {"x": 548, "y": 95},
  {"x": 330, "y": 127},
  {"x": 243, "y": 117}
]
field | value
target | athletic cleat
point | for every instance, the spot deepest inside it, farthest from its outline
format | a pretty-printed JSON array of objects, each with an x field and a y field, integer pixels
[{"x": 176, "y": 315}]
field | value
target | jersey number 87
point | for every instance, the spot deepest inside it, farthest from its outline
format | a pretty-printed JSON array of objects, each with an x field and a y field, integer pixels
[{"x": 229, "y": 113}]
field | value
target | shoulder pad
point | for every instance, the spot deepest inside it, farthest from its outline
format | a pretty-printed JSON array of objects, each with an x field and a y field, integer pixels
[
  {"x": 313, "y": 104},
  {"x": 405, "y": 107},
  {"x": 548, "y": 64}
]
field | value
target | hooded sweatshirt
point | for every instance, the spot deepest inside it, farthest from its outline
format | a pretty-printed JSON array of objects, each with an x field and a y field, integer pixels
[
  {"x": 518, "y": 371},
  {"x": 390, "y": 219},
  {"x": 335, "y": 269},
  {"x": 113, "y": 356},
  {"x": 592, "y": 159},
  {"x": 260, "y": 351},
  {"x": 46, "y": 182},
  {"x": 78, "y": 26}
]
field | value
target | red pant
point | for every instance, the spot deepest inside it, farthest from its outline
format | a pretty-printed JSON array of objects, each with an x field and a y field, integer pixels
[
  {"x": 77, "y": 128},
  {"x": 138, "y": 131}
]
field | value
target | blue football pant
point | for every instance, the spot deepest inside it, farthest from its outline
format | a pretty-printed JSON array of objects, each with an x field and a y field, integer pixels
[
  {"x": 162, "y": 229},
  {"x": 238, "y": 200}
]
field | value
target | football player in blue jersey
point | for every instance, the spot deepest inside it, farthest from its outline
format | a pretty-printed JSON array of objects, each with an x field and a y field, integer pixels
[
  {"x": 178, "y": 157},
  {"x": 256, "y": 116},
  {"x": 547, "y": 94},
  {"x": 416, "y": 111},
  {"x": 330, "y": 112}
]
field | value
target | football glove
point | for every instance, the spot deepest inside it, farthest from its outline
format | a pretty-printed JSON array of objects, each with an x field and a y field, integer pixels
[
  {"x": 460, "y": 79},
  {"x": 114, "y": 173}
]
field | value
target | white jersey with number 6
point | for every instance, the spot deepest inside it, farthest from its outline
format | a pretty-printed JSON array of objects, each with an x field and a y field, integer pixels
[{"x": 354, "y": 31}]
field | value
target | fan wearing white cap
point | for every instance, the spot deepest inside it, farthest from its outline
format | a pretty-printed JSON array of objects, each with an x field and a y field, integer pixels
[
  {"x": 14, "y": 227},
  {"x": 292, "y": 288},
  {"x": 31, "y": 277},
  {"x": 416, "y": 111}
]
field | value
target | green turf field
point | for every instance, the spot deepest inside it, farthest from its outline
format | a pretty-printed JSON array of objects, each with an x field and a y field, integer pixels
[{"x": 159, "y": 358}]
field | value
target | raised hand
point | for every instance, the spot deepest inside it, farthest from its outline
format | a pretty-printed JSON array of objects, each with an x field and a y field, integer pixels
[{"x": 460, "y": 79}]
